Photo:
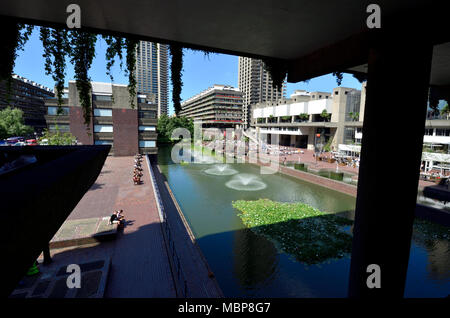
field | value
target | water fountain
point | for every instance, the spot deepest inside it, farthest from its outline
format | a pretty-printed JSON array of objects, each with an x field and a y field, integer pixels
[
  {"x": 221, "y": 170},
  {"x": 246, "y": 182}
]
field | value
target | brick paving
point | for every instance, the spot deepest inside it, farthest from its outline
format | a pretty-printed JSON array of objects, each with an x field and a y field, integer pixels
[{"x": 140, "y": 265}]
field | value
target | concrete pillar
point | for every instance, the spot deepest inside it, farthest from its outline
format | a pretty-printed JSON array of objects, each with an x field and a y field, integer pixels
[
  {"x": 363, "y": 101},
  {"x": 385, "y": 206}
]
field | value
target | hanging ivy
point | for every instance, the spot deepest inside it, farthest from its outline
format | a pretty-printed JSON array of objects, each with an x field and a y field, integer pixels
[
  {"x": 277, "y": 70},
  {"x": 14, "y": 35},
  {"x": 176, "y": 68},
  {"x": 115, "y": 47},
  {"x": 56, "y": 47},
  {"x": 361, "y": 77},
  {"x": 83, "y": 53},
  {"x": 131, "y": 47},
  {"x": 339, "y": 77}
]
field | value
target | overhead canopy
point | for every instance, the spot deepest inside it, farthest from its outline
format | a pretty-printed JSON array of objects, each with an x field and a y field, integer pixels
[{"x": 296, "y": 31}]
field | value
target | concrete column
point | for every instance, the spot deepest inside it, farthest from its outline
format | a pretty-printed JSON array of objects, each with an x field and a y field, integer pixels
[{"x": 385, "y": 203}]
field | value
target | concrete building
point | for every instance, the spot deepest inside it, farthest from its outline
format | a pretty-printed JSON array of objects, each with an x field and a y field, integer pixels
[
  {"x": 28, "y": 96},
  {"x": 151, "y": 72},
  {"x": 256, "y": 85},
  {"x": 299, "y": 120},
  {"x": 219, "y": 106},
  {"x": 113, "y": 121}
]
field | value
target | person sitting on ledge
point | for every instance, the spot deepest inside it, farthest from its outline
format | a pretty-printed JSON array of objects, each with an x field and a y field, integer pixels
[{"x": 114, "y": 219}]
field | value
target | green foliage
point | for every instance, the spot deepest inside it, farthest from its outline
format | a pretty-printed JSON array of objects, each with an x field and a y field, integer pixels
[
  {"x": 58, "y": 138},
  {"x": 300, "y": 166},
  {"x": 339, "y": 77},
  {"x": 303, "y": 116},
  {"x": 445, "y": 111},
  {"x": 13, "y": 39},
  {"x": 166, "y": 125},
  {"x": 131, "y": 46},
  {"x": 115, "y": 47},
  {"x": 277, "y": 70},
  {"x": 327, "y": 146},
  {"x": 56, "y": 45},
  {"x": 176, "y": 69},
  {"x": 59, "y": 43},
  {"x": 83, "y": 53},
  {"x": 309, "y": 235},
  {"x": 12, "y": 124},
  {"x": 354, "y": 116},
  {"x": 325, "y": 115}
]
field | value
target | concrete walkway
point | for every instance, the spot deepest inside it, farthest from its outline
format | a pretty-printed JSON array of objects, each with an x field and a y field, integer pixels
[{"x": 140, "y": 265}]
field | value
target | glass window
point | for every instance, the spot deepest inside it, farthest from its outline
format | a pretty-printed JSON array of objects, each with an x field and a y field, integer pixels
[
  {"x": 147, "y": 114},
  {"x": 53, "y": 110},
  {"x": 147, "y": 128},
  {"x": 103, "y": 142},
  {"x": 60, "y": 128},
  {"x": 147, "y": 143},
  {"x": 98, "y": 112},
  {"x": 107, "y": 98},
  {"x": 103, "y": 128}
]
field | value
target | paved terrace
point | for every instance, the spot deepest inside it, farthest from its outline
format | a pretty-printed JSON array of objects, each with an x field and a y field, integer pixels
[{"x": 140, "y": 264}]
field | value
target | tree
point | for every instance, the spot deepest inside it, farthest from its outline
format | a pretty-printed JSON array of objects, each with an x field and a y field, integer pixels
[
  {"x": 445, "y": 111},
  {"x": 58, "y": 138},
  {"x": 12, "y": 123},
  {"x": 325, "y": 115},
  {"x": 166, "y": 125}
]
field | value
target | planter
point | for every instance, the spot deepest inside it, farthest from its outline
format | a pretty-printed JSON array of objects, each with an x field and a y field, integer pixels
[{"x": 300, "y": 166}]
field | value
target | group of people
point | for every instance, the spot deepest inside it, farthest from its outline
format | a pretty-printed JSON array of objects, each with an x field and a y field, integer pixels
[{"x": 137, "y": 173}]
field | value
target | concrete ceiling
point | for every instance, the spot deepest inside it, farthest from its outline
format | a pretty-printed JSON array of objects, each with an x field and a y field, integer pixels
[
  {"x": 440, "y": 65},
  {"x": 284, "y": 29}
]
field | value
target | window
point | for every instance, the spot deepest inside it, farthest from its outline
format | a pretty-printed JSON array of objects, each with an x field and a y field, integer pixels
[
  {"x": 147, "y": 128},
  {"x": 147, "y": 143},
  {"x": 98, "y": 112},
  {"x": 54, "y": 111},
  {"x": 429, "y": 132},
  {"x": 103, "y": 128},
  {"x": 103, "y": 142},
  {"x": 60, "y": 127},
  {"x": 107, "y": 98},
  {"x": 442, "y": 132}
]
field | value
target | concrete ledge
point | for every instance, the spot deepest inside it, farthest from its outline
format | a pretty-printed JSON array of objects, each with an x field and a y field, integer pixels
[
  {"x": 84, "y": 231},
  {"x": 51, "y": 282}
]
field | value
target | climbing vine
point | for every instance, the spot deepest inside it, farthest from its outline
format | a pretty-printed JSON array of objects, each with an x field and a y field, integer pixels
[{"x": 176, "y": 68}]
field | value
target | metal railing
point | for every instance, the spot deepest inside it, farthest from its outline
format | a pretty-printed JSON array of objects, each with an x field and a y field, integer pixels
[{"x": 177, "y": 271}]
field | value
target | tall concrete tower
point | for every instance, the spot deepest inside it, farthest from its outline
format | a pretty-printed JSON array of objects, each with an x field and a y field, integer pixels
[
  {"x": 256, "y": 85},
  {"x": 151, "y": 72}
]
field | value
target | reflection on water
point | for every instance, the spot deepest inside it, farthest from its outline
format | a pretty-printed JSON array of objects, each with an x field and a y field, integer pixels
[
  {"x": 248, "y": 265},
  {"x": 255, "y": 261}
]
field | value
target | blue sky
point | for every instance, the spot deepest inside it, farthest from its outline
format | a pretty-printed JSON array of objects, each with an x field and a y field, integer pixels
[{"x": 199, "y": 71}]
